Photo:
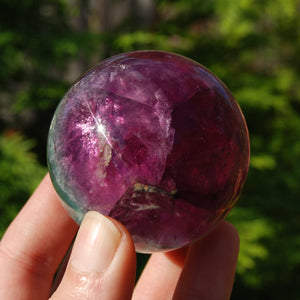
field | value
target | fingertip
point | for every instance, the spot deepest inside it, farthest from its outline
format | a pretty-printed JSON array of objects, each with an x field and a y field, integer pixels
[
  {"x": 210, "y": 265},
  {"x": 226, "y": 230},
  {"x": 97, "y": 234}
]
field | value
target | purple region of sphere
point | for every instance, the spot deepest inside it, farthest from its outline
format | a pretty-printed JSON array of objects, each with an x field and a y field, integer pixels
[{"x": 154, "y": 140}]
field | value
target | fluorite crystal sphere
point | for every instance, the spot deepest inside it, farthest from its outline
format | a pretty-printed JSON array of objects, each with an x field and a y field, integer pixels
[{"x": 154, "y": 140}]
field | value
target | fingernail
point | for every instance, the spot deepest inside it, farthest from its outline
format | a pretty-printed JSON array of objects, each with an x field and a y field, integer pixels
[{"x": 96, "y": 243}]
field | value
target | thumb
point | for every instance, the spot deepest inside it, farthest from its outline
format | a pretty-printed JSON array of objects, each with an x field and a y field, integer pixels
[{"x": 102, "y": 263}]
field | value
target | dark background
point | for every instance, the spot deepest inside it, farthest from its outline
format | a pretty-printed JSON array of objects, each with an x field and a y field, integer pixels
[{"x": 252, "y": 45}]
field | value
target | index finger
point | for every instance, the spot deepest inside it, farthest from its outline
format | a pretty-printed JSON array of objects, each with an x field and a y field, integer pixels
[
  {"x": 204, "y": 270},
  {"x": 34, "y": 245}
]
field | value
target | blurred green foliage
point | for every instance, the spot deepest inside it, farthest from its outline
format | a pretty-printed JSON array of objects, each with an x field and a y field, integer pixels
[
  {"x": 19, "y": 176},
  {"x": 252, "y": 45}
]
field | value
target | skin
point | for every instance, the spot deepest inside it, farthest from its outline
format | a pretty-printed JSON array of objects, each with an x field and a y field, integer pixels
[{"x": 102, "y": 263}]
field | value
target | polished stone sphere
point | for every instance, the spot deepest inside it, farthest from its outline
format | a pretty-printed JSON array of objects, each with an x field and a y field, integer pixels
[{"x": 154, "y": 140}]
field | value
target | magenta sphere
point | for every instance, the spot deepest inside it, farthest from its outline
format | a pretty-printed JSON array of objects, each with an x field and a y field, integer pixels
[{"x": 154, "y": 140}]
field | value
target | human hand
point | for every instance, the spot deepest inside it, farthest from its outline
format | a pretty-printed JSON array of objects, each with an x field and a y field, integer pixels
[{"x": 102, "y": 263}]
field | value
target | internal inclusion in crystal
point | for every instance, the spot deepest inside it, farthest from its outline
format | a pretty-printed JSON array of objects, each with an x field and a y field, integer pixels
[{"x": 139, "y": 187}]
